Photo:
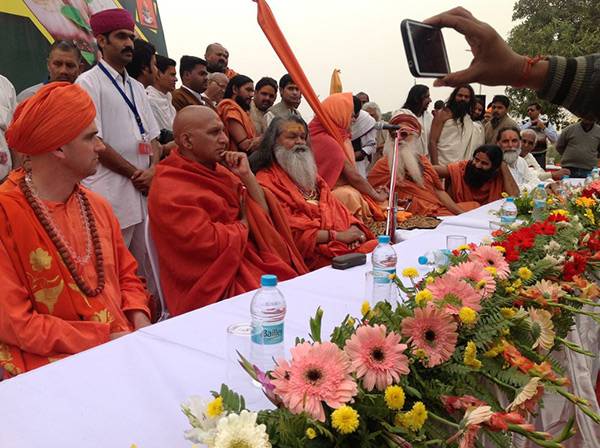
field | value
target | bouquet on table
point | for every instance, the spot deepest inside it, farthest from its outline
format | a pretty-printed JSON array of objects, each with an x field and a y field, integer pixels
[{"x": 468, "y": 352}]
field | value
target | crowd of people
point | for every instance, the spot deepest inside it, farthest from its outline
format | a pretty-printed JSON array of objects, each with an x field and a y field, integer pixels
[{"x": 230, "y": 183}]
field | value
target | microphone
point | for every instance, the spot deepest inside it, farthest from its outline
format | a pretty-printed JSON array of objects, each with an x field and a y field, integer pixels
[{"x": 381, "y": 125}]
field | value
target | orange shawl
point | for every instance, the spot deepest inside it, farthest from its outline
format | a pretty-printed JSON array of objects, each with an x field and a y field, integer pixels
[
  {"x": 230, "y": 110},
  {"x": 206, "y": 253},
  {"x": 44, "y": 316},
  {"x": 489, "y": 192},
  {"x": 307, "y": 219}
]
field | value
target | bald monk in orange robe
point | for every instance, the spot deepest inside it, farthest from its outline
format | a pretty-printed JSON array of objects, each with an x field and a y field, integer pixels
[
  {"x": 482, "y": 179},
  {"x": 234, "y": 111},
  {"x": 67, "y": 291},
  {"x": 337, "y": 165},
  {"x": 214, "y": 238},
  {"x": 322, "y": 226},
  {"x": 417, "y": 180}
]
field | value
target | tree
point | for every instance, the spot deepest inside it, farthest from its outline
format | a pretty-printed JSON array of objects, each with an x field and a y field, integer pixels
[{"x": 567, "y": 28}]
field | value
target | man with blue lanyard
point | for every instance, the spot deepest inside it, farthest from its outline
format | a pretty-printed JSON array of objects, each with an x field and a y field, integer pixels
[{"x": 125, "y": 125}]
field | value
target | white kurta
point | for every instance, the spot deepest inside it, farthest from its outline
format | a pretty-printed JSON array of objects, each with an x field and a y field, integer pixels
[
  {"x": 525, "y": 177},
  {"x": 8, "y": 103},
  {"x": 458, "y": 142},
  {"x": 162, "y": 107},
  {"x": 117, "y": 127}
]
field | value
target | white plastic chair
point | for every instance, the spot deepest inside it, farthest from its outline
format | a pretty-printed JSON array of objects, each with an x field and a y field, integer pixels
[{"x": 153, "y": 255}]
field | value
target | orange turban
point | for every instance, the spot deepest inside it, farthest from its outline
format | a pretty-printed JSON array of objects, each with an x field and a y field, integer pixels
[
  {"x": 51, "y": 118},
  {"x": 406, "y": 120}
]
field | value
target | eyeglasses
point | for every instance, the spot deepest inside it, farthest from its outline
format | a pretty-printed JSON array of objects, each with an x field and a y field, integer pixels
[
  {"x": 406, "y": 132},
  {"x": 223, "y": 86}
]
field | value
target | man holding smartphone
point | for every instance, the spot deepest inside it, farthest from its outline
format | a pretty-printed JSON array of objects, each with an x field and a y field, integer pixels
[{"x": 544, "y": 131}]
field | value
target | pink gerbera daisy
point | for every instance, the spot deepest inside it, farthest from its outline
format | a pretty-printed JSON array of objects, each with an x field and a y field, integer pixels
[
  {"x": 455, "y": 293},
  {"x": 489, "y": 256},
  {"x": 316, "y": 373},
  {"x": 476, "y": 273},
  {"x": 377, "y": 358},
  {"x": 434, "y": 331}
]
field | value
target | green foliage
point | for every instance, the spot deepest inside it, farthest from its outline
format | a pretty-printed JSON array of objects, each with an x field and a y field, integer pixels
[
  {"x": 232, "y": 402},
  {"x": 567, "y": 28}
]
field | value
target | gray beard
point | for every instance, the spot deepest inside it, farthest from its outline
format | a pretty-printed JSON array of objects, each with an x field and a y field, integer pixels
[
  {"x": 511, "y": 156},
  {"x": 408, "y": 160},
  {"x": 299, "y": 164}
]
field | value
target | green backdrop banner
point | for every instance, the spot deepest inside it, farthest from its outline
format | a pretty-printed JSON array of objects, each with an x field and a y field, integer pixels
[{"x": 29, "y": 27}]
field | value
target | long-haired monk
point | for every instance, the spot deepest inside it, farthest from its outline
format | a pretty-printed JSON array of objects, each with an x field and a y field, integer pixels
[{"x": 68, "y": 281}]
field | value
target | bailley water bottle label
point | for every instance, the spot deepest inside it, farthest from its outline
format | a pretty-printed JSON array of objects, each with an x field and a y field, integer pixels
[
  {"x": 385, "y": 278},
  {"x": 508, "y": 219},
  {"x": 270, "y": 335},
  {"x": 539, "y": 203}
]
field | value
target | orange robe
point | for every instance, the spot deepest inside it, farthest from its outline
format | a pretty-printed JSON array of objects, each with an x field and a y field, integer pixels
[
  {"x": 12, "y": 180},
  {"x": 230, "y": 110},
  {"x": 205, "y": 252},
  {"x": 43, "y": 314},
  {"x": 306, "y": 218},
  {"x": 424, "y": 200},
  {"x": 489, "y": 192}
]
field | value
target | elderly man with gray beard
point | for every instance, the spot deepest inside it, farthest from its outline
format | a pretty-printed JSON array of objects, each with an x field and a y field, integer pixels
[{"x": 321, "y": 225}]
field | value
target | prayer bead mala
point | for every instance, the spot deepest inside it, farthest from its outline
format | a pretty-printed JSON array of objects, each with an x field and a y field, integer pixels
[{"x": 50, "y": 227}]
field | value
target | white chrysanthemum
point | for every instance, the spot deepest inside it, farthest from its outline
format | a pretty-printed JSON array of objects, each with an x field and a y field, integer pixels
[
  {"x": 562, "y": 225},
  {"x": 486, "y": 240},
  {"x": 555, "y": 261},
  {"x": 241, "y": 431},
  {"x": 552, "y": 246},
  {"x": 204, "y": 427}
]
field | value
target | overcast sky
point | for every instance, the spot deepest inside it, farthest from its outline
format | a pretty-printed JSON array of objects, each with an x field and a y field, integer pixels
[{"x": 359, "y": 37}]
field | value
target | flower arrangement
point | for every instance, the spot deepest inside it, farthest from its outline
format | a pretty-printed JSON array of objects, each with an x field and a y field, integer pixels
[{"x": 435, "y": 370}]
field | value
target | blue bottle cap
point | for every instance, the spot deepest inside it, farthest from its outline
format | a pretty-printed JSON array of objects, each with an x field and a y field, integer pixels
[
  {"x": 422, "y": 259},
  {"x": 510, "y": 199},
  {"x": 540, "y": 185},
  {"x": 268, "y": 280},
  {"x": 383, "y": 239},
  {"x": 566, "y": 176}
]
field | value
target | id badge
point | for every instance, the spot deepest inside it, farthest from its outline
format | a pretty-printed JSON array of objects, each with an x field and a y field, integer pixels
[
  {"x": 3, "y": 158},
  {"x": 145, "y": 148}
]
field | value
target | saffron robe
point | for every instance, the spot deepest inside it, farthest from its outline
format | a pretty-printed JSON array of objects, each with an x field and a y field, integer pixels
[
  {"x": 230, "y": 110},
  {"x": 489, "y": 192},
  {"x": 306, "y": 218},
  {"x": 12, "y": 180},
  {"x": 44, "y": 316},
  {"x": 424, "y": 200},
  {"x": 206, "y": 253}
]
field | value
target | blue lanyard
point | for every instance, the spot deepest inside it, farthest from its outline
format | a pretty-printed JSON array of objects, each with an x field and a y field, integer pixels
[{"x": 131, "y": 105}]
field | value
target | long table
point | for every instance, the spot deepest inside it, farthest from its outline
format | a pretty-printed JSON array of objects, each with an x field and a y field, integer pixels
[{"x": 129, "y": 391}]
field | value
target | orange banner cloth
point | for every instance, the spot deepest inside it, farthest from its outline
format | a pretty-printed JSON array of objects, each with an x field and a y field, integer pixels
[
  {"x": 306, "y": 219},
  {"x": 205, "y": 252},
  {"x": 336, "y": 82},
  {"x": 230, "y": 110},
  {"x": 44, "y": 316},
  {"x": 489, "y": 192}
]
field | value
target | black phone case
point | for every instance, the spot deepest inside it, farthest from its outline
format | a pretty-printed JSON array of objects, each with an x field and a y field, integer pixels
[
  {"x": 348, "y": 261},
  {"x": 409, "y": 53}
]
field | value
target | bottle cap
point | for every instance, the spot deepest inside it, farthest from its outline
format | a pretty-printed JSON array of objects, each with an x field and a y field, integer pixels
[
  {"x": 510, "y": 199},
  {"x": 383, "y": 239},
  {"x": 422, "y": 259},
  {"x": 268, "y": 280},
  {"x": 540, "y": 185},
  {"x": 566, "y": 176}
]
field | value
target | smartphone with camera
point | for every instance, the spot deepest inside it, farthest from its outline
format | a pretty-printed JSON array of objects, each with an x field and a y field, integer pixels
[{"x": 425, "y": 49}]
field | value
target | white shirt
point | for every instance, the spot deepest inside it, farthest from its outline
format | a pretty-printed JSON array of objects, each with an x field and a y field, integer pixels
[
  {"x": 117, "y": 127},
  {"x": 162, "y": 107},
  {"x": 196, "y": 94},
  {"x": 8, "y": 104},
  {"x": 29, "y": 92},
  {"x": 535, "y": 166},
  {"x": 425, "y": 120},
  {"x": 525, "y": 178}
]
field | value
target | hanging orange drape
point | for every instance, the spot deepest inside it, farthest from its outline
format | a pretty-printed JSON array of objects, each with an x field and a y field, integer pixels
[{"x": 336, "y": 82}]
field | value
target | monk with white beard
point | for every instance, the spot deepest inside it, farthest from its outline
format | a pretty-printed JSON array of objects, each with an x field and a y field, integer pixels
[
  {"x": 322, "y": 227},
  {"x": 416, "y": 178}
]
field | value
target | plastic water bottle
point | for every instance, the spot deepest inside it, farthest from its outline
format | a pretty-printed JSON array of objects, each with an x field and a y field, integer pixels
[
  {"x": 595, "y": 174},
  {"x": 268, "y": 314},
  {"x": 589, "y": 180},
  {"x": 540, "y": 198},
  {"x": 434, "y": 259},
  {"x": 565, "y": 186},
  {"x": 508, "y": 211},
  {"x": 384, "y": 256}
]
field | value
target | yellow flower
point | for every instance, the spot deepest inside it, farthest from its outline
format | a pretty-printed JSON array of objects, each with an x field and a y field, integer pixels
[
  {"x": 590, "y": 215},
  {"x": 345, "y": 420},
  {"x": 470, "y": 357},
  {"x": 429, "y": 280},
  {"x": 507, "y": 313},
  {"x": 410, "y": 273},
  {"x": 510, "y": 289},
  {"x": 500, "y": 249},
  {"x": 504, "y": 194},
  {"x": 420, "y": 353},
  {"x": 506, "y": 331},
  {"x": 467, "y": 315},
  {"x": 423, "y": 296},
  {"x": 392, "y": 276},
  {"x": 550, "y": 201},
  {"x": 525, "y": 273},
  {"x": 463, "y": 247},
  {"x": 311, "y": 433},
  {"x": 365, "y": 308},
  {"x": 350, "y": 321},
  {"x": 400, "y": 420},
  {"x": 215, "y": 408},
  {"x": 40, "y": 260},
  {"x": 491, "y": 270},
  {"x": 417, "y": 416},
  {"x": 394, "y": 397},
  {"x": 560, "y": 212},
  {"x": 585, "y": 202},
  {"x": 494, "y": 351},
  {"x": 517, "y": 283}
]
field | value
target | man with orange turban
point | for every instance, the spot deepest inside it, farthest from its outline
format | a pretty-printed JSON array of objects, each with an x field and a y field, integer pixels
[
  {"x": 416, "y": 179},
  {"x": 68, "y": 281},
  {"x": 337, "y": 166}
]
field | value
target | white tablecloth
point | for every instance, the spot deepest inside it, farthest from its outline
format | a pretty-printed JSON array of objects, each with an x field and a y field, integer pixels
[{"x": 128, "y": 391}]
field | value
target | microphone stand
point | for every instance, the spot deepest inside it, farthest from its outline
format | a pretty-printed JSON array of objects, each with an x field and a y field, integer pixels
[{"x": 392, "y": 217}]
